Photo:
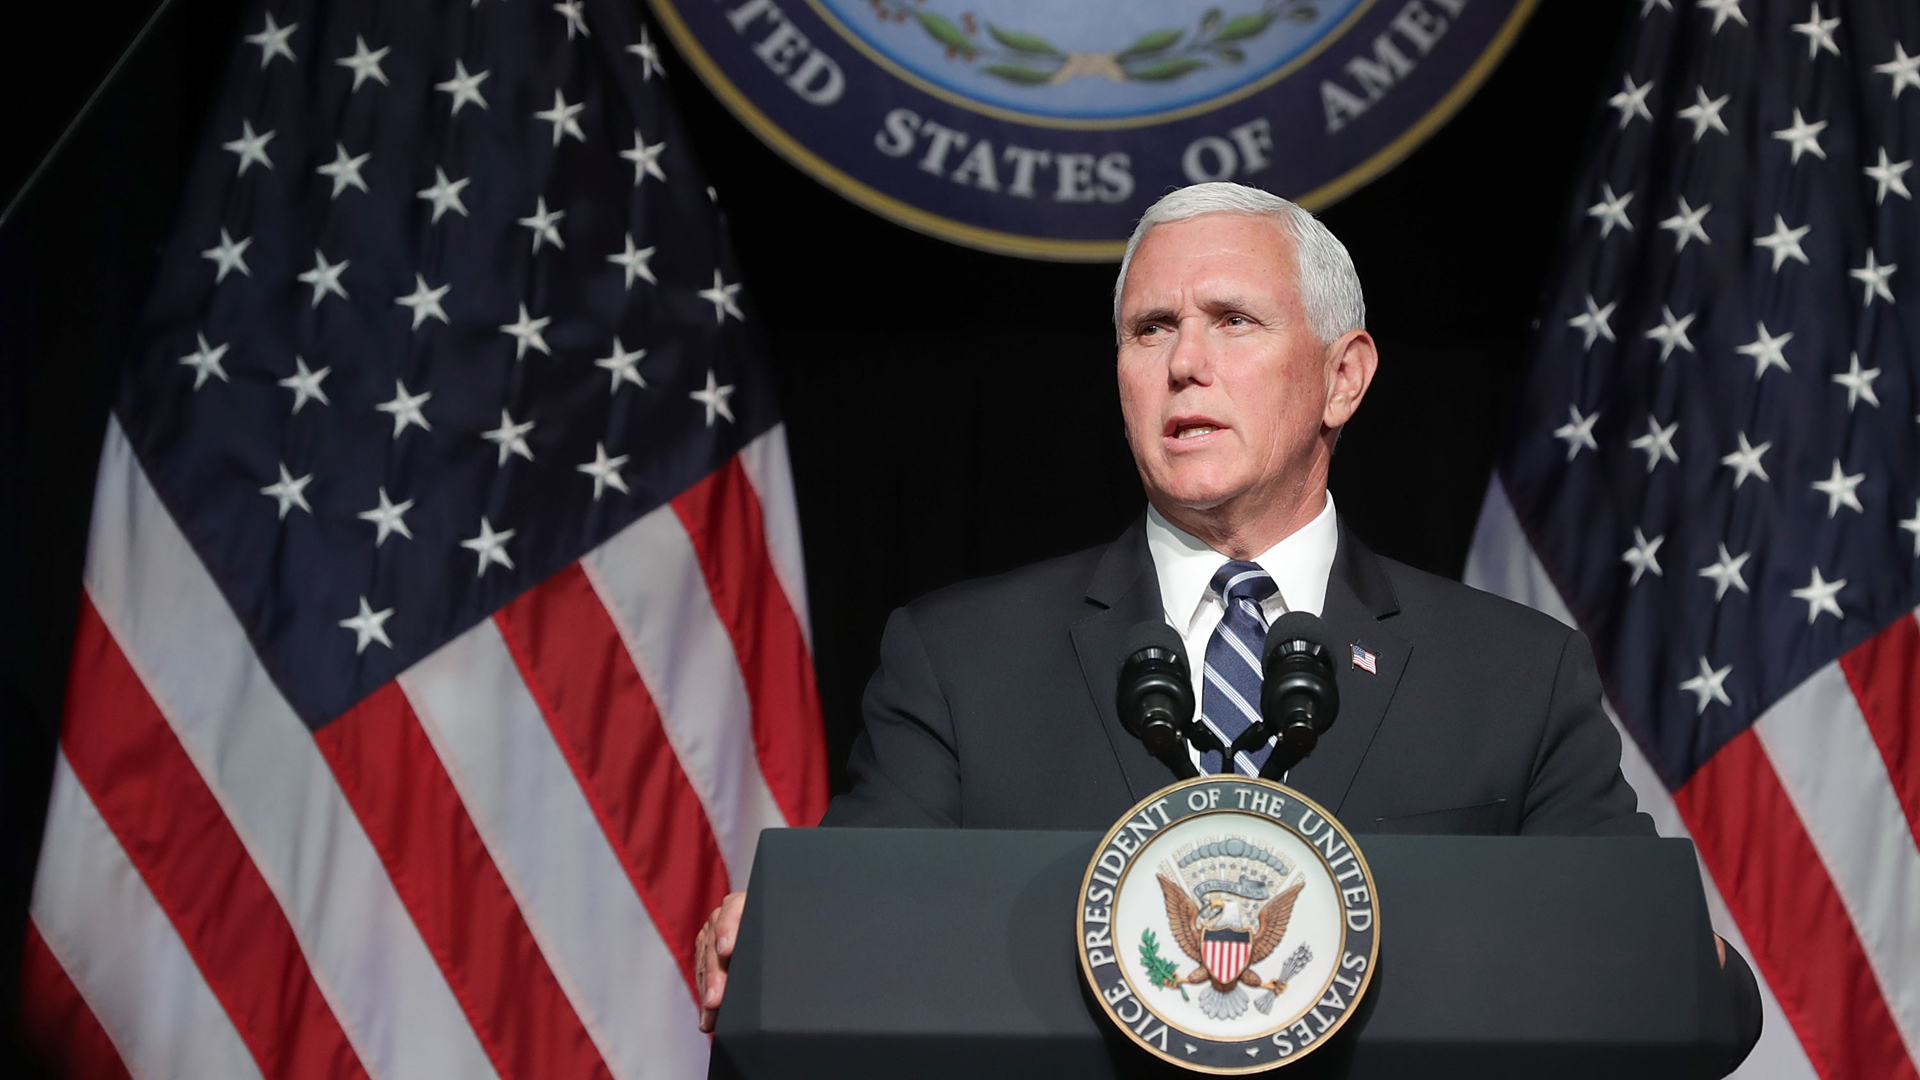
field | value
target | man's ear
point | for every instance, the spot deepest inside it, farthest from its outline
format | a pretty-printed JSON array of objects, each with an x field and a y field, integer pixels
[{"x": 1351, "y": 361}]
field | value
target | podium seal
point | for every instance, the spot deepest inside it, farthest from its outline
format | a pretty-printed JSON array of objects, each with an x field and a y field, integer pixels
[{"x": 1228, "y": 925}]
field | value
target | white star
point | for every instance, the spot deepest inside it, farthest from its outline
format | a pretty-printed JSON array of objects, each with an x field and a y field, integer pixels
[
  {"x": 205, "y": 361},
  {"x": 1887, "y": 177},
  {"x": 1647, "y": 6},
  {"x": 1859, "y": 382},
  {"x": 605, "y": 471},
  {"x": 510, "y": 437},
  {"x": 405, "y": 408},
  {"x": 1783, "y": 242},
  {"x": 577, "y": 20},
  {"x": 714, "y": 397},
  {"x": 1838, "y": 487},
  {"x": 721, "y": 297},
  {"x": 1912, "y": 525},
  {"x": 444, "y": 194},
  {"x": 563, "y": 118},
  {"x": 228, "y": 255},
  {"x": 1631, "y": 101},
  {"x": 1722, "y": 11},
  {"x": 1904, "y": 69},
  {"x": 250, "y": 147},
  {"x": 1643, "y": 556},
  {"x": 1705, "y": 113},
  {"x": 490, "y": 546},
  {"x": 463, "y": 87},
  {"x": 289, "y": 491},
  {"x": 344, "y": 171},
  {"x": 526, "y": 332},
  {"x": 545, "y": 225},
  {"x": 1767, "y": 351},
  {"x": 1873, "y": 277},
  {"x": 324, "y": 277},
  {"x": 1657, "y": 443},
  {"x": 1708, "y": 686},
  {"x": 634, "y": 262},
  {"x": 1685, "y": 224},
  {"x": 364, "y": 64},
  {"x": 1593, "y": 322},
  {"x": 1803, "y": 137},
  {"x": 424, "y": 302},
  {"x": 1726, "y": 573},
  {"x": 369, "y": 625},
  {"x": 1671, "y": 333},
  {"x": 649, "y": 57},
  {"x": 646, "y": 159},
  {"x": 621, "y": 364},
  {"x": 273, "y": 41},
  {"x": 306, "y": 384},
  {"x": 1819, "y": 595},
  {"x": 1611, "y": 210},
  {"x": 1746, "y": 462},
  {"x": 1578, "y": 432},
  {"x": 1819, "y": 33},
  {"x": 389, "y": 517}
]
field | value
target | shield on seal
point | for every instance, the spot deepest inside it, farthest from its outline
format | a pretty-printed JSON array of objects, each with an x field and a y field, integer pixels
[{"x": 1225, "y": 953}]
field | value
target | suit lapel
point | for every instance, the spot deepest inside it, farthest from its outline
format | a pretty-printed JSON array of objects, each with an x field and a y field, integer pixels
[
  {"x": 1124, "y": 592},
  {"x": 1359, "y": 606}
]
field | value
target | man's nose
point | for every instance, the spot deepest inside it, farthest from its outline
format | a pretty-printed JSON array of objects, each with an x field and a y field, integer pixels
[{"x": 1189, "y": 362}]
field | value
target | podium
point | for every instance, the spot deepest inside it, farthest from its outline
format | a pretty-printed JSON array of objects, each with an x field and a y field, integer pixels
[{"x": 950, "y": 953}]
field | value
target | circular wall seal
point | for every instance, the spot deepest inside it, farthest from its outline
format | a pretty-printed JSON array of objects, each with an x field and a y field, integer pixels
[
  {"x": 1228, "y": 925},
  {"x": 1045, "y": 129}
]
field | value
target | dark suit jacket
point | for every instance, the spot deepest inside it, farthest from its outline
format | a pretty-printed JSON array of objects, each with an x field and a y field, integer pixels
[{"x": 994, "y": 707}]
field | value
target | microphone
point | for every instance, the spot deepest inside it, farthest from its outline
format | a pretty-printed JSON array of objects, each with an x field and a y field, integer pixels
[
  {"x": 1298, "y": 696},
  {"x": 1155, "y": 694}
]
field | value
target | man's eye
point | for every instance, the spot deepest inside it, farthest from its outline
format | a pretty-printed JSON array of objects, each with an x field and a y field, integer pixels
[{"x": 1236, "y": 320}]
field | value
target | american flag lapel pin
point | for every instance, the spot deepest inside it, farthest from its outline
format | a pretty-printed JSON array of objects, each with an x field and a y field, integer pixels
[{"x": 1366, "y": 661}]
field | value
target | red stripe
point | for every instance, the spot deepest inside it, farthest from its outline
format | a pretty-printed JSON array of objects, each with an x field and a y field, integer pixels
[
  {"x": 157, "y": 804},
  {"x": 1884, "y": 672},
  {"x": 58, "y": 1025},
  {"x": 450, "y": 885},
  {"x": 1779, "y": 892},
  {"x": 722, "y": 515},
  {"x": 573, "y": 661}
]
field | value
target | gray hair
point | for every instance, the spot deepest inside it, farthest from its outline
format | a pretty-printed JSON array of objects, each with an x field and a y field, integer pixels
[{"x": 1329, "y": 287}]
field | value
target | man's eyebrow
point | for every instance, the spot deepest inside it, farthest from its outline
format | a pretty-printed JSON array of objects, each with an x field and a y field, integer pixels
[{"x": 1150, "y": 315}]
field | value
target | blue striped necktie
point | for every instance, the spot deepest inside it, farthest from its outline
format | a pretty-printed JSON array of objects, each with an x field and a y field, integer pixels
[{"x": 1231, "y": 701}]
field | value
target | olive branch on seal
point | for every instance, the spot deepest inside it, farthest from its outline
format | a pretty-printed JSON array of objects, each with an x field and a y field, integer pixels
[
  {"x": 1028, "y": 59},
  {"x": 1160, "y": 970}
]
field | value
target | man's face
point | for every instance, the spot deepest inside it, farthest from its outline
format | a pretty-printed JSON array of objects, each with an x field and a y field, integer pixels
[{"x": 1223, "y": 385}]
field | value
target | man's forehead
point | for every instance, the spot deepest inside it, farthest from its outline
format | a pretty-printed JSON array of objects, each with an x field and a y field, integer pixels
[{"x": 1210, "y": 261}]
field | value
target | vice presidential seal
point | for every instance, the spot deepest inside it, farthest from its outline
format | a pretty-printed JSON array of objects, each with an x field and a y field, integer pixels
[{"x": 1228, "y": 924}]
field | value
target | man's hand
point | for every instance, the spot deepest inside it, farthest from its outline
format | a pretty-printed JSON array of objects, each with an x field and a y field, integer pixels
[{"x": 712, "y": 950}]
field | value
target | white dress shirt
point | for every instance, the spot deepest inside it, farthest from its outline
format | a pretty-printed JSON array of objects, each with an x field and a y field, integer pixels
[{"x": 1185, "y": 565}]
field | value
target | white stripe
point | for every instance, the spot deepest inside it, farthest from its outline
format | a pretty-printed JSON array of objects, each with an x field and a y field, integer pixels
[
  {"x": 1233, "y": 641},
  {"x": 579, "y": 904},
  {"x": 650, "y": 582},
  {"x": 261, "y": 764},
  {"x": 121, "y": 951},
  {"x": 1832, "y": 770},
  {"x": 1502, "y": 561},
  {"x": 766, "y": 463},
  {"x": 1227, "y": 691}
]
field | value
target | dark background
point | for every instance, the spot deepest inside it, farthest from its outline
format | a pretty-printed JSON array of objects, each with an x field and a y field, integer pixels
[{"x": 950, "y": 413}]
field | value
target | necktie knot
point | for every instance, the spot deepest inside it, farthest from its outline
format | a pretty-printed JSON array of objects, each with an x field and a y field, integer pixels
[{"x": 1240, "y": 580}]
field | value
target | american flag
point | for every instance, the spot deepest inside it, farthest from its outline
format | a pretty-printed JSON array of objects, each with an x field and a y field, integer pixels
[
  {"x": 443, "y": 647},
  {"x": 1714, "y": 470}
]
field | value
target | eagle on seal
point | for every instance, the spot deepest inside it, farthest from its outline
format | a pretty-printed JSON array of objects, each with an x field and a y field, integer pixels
[{"x": 1227, "y": 938}]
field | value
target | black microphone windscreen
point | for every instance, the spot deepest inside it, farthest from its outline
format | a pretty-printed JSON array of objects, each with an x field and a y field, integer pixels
[
  {"x": 1297, "y": 626},
  {"x": 1154, "y": 634}
]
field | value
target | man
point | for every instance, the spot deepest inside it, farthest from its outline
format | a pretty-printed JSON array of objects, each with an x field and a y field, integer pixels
[{"x": 1242, "y": 353}]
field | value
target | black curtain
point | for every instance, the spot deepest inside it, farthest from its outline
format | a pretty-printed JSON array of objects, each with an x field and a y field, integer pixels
[{"x": 950, "y": 413}]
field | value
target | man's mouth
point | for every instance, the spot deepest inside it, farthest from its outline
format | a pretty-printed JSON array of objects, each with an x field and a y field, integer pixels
[{"x": 1191, "y": 428}]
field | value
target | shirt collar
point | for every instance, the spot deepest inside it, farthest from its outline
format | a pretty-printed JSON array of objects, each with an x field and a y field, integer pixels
[{"x": 1299, "y": 564}]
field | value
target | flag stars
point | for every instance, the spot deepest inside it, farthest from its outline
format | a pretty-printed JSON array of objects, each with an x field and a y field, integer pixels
[
  {"x": 1819, "y": 595},
  {"x": 545, "y": 225},
  {"x": 272, "y": 41},
  {"x": 1873, "y": 280},
  {"x": 1859, "y": 382},
  {"x": 563, "y": 117},
  {"x": 526, "y": 332},
  {"x": 714, "y": 397},
  {"x": 424, "y": 302},
  {"x": 1671, "y": 333},
  {"x": 1722, "y": 11},
  {"x": 405, "y": 409},
  {"x": 1903, "y": 69},
  {"x": 1819, "y": 33},
  {"x": 305, "y": 384},
  {"x": 1657, "y": 443},
  {"x": 1783, "y": 242},
  {"x": 228, "y": 255},
  {"x": 634, "y": 261},
  {"x": 721, "y": 297},
  {"x": 1803, "y": 137},
  {"x": 344, "y": 170},
  {"x": 388, "y": 518},
  {"x": 1704, "y": 113},
  {"x": 205, "y": 361},
  {"x": 1840, "y": 490},
  {"x": 1593, "y": 323},
  {"x": 577, "y": 18},
  {"x": 289, "y": 491},
  {"x": 1745, "y": 462},
  {"x": 1631, "y": 101},
  {"x": 490, "y": 546},
  {"x": 250, "y": 147},
  {"x": 510, "y": 437},
  {"x": 444, "y": 194},
  {"x": 1725, "y": 573},
  {"x": 325, "y": 277},
  {"x": 1611, "y": 210},
  {"x": 1643, "y": 556},
  {"x": 365, "y": 64},
  {"x": 1685, "y": 225},
  {"x": 1767, "y": 350},
  {"x": 646, "y": 159},
  {"x": 368, "y": 626},
  {"x": 1888, "y": 176},
  {"x": 622, "y": 366},
  {"x": 1578, "y": 432},
  {"x": 465, "y": 88},
  {"x": 1708, "y": 686},
  {"x": 605, "y": 471},
  {"x": 649, "y": 55},
  {"x": 1912, "y": 525}
]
